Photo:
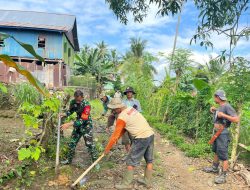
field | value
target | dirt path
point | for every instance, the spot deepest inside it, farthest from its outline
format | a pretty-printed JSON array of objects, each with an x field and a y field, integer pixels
[
  {"x": 172, "y": 170},
  {"x": 182, "y": 172}
]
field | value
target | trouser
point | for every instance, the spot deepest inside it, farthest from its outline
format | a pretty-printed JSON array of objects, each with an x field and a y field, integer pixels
[
  {"x": 142, "y": 147},
  {"x": 221, "y": 145},
  {"x": 87, "y": 133}
]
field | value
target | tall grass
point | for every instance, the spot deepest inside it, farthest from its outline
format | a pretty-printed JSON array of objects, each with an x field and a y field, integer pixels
[{"x": 24, "y": 92}]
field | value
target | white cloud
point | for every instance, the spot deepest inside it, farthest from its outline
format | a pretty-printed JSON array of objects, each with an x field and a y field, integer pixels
[{"x": 151, "y": 22}]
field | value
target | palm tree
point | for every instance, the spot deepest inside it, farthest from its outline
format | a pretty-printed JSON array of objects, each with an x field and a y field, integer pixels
[
  {"x": 137, "y": 46},
  {"x": 91, "y": 60},
  {"x": 213, "y": 70},
  {"x": 103, "y": 48}
]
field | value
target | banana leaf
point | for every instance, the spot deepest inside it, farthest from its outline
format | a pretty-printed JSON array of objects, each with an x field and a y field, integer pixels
[
  {"x": 27, "y": 47},
  {"x": 20, "y": 69}
]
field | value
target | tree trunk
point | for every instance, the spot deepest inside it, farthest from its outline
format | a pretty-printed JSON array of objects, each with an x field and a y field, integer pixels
[{"x": 235, "y": 136}]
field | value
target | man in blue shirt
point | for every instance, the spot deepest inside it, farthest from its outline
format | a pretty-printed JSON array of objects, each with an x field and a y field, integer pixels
[{"x": 130, "y": 101}]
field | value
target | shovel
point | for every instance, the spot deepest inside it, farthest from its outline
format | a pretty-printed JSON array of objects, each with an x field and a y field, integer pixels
[{"x": 87, "y": 171}]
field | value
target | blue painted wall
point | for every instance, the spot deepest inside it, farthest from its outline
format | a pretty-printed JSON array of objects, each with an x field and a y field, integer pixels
[{"x": 53, "y": 47}]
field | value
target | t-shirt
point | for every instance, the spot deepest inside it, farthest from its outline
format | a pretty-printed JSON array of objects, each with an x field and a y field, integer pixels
[
  {"x": 136, "y": 124},
  {"x": 226, "y": 109},
  {"x": 133, "y": 103}
]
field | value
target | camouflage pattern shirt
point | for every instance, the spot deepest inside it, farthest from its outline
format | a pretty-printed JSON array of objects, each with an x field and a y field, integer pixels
[{"x": 83, "y": 113}]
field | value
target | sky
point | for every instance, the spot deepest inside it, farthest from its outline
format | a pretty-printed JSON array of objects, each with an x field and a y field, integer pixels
[{"x": 96, "y": 22}]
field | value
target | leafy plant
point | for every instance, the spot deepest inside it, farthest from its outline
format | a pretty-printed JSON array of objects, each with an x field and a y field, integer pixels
[
  {"x": 24, "y": 92},
  {"x": 33, "y": 117},
  {"x": 3, "y": 88}
]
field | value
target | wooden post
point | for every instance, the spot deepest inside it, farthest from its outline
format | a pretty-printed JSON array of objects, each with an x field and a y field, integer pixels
[
  {"x": 236, "y": 136},
  {"x": 58, "y": 143}
]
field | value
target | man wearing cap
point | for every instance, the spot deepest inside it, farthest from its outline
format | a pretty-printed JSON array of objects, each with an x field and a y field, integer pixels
[
  {"x": 129, "y": 119},
  {"x": 224, "y": 115},
  {"x": 130, "y": 101}
]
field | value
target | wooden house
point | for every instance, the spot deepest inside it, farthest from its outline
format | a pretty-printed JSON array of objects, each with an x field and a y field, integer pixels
[{"x": 53, "y": 36}]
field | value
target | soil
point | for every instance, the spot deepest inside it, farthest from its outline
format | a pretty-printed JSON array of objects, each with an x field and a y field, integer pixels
[
  {"x": 172, "y": 169},
  {"x": 11, "y": 134}
]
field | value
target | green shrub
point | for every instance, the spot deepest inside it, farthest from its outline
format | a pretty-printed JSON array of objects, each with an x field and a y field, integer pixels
[
  {"x": 24, "y": 92},
  {"x": 198, "y": 150},
  {"x": 85, "y": 80}
]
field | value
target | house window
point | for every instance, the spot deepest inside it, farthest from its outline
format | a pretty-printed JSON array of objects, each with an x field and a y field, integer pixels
[
  {"x": 69, "y": 52},
  {"x": 2, "y": 43},
  {"x": 65, "y": 47},
  {"x": 41, "y": 42}
]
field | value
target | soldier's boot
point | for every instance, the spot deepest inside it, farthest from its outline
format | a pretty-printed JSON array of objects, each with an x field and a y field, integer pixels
[
  {"x": 212, "y": 169},
  {"x": 126, "y": 181},
  {"x": 147, "y": 180},
  {"x": 222, "y": 178},
  {"x": 66, "y": 162}
]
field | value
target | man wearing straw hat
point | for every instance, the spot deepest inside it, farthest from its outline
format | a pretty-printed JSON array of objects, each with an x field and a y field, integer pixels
[{"x": 129, "y": 119}]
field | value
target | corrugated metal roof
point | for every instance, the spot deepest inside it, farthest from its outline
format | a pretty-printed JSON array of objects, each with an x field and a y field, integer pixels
[{"x": 44, "y": 21}]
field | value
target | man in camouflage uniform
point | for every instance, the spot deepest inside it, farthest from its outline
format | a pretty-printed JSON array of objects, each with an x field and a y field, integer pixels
[{"x": 82, "y": 127}]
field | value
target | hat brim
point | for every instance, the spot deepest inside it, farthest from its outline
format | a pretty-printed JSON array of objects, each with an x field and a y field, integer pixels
[
  {"x": 112, "y": 106},
  {"x": 129, "y": 91},
  {"x": 222, "y": 98}
]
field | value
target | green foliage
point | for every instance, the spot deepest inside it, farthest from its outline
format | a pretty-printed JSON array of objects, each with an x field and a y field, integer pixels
[
  {"x": 24, "y": 92},
  {"x": 72, "y": 117},
  {"x": 228, "y": 14},
  {"x": 30, "y": 153},
  {"x": 235, "y": 82},
  {"x": 137, "y": 70},
  {"x": 86, "y": 80},
  {"x": 96, "y": 108},
  {"x": 180, "y": 61},
  {"x": 33, "y": 117},
  {"x": 100, "y": 62},
  {"x": 196, "y": 149},
  {"x": 7, "y": 60},
  {"x": 139, "y": 9},
  {"x": 3, "y": 88}
]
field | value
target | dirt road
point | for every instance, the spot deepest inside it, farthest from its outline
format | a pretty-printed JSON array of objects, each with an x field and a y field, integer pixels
[{"x": 172, "y": 169}]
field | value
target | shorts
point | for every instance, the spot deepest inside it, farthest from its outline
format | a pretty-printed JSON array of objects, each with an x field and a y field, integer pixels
[
  {"x": 220, "y": 146},
  {"x": 143, "y": 147}
]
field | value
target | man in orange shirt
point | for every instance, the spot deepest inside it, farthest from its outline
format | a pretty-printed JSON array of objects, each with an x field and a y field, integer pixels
[{"x": 129, "y": 119}]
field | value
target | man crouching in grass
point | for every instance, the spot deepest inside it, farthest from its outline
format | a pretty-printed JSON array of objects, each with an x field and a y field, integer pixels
[{"x": 129, "y": 119}]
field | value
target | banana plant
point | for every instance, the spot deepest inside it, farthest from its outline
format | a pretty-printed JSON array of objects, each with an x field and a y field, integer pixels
[{"x": 7, "y": 60}]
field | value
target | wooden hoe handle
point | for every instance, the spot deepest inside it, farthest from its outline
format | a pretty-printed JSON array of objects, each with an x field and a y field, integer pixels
[{"x": 87, "y": 171}]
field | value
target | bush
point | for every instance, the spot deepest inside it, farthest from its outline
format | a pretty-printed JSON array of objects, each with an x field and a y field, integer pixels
[
  {"x": 85, "y": 81},
  {"x": 24, "y": 92},
  {"x": 198, "y": 149}
]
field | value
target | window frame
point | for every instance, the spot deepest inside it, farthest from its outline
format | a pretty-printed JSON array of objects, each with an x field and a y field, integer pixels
[{"x": 39, "y": 41}]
